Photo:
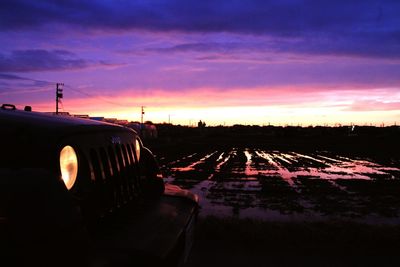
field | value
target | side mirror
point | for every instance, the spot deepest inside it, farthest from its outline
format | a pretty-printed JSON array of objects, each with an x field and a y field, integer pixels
[{"x": 152, "y": 182}]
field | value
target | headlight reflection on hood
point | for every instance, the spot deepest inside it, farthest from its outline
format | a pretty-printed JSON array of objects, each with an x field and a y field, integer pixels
[{"x": 68, "y": 166}]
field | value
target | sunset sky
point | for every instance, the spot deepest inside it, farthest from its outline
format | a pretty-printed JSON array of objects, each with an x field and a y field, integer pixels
[{"x": 223, "y": 62}]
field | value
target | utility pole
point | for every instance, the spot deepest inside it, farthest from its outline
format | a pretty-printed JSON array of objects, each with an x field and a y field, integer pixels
[
  {"x": 141, "y": 122},
  {"x": 59, "y": 95},
  {"x": 142, "y": 113}
]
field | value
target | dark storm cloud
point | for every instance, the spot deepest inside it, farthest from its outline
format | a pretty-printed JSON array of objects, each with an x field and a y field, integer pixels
[
  {"x": 39, "y": 60},
  {"x": 365, "y": 28},
  {"x": 262, "y": 16}
]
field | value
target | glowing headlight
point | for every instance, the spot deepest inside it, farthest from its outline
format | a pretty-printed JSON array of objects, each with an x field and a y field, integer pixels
[
  {"x": 68, "y": 166},
  {"x": 137, "y": 149}
]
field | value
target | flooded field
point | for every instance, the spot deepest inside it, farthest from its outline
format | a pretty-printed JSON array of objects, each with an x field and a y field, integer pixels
[{"x": 275, "y": 185}]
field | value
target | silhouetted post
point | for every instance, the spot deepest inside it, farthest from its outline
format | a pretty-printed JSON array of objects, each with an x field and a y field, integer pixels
[
  {"x": 59, "y": 94},
  {"x": 141, "y": 121}
]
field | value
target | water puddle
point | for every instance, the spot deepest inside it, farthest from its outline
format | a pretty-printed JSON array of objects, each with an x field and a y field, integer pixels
[
  {"x": 223, "y": 160},
  {"x": 182, "y": 159},
  {"x": 192, "y": 166},
  {"x": 256, "y": 183}
]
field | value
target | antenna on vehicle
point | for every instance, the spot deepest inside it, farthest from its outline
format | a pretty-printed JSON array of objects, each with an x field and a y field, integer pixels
[{"x": 59, "y": 95}]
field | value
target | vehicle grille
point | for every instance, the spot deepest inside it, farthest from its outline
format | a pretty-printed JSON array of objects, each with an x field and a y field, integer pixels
[{"x": 115, "y": 175}]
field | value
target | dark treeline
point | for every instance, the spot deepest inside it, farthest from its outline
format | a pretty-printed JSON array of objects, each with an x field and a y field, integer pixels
[{"x": 365, "y": 140}]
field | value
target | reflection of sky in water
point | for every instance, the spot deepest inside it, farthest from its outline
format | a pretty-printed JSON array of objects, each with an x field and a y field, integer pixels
[
  {"x": 192, "y": 166},
  {"x": 184, "y": 158},
  {"x": 276, "y": 163},
  {"x": 343, "y": 168},
  {"x": 238, "y": 192},
  {"x": 222, "y": 160}
]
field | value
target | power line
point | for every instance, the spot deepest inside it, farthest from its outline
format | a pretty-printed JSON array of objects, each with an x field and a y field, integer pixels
[
  {"x": 59, "y": 94},
  {"x": 12, "y": 91},
  {"x": 98, "y": 97}
]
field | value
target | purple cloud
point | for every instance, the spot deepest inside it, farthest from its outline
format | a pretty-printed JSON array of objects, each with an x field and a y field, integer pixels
[
  {"x": 40, "y": 60},
  {"x": 5, "y": 76},
  {"x": 257, "y": 16},
  {"x": 362, "y": 28},
  {"x": 352, "y": 46}
]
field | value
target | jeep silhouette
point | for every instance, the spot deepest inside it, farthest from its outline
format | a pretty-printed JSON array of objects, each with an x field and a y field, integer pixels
[{"x": 78, "y": 192}]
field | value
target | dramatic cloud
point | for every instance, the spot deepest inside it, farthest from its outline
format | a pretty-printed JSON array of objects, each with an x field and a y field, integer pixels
[
  {"x": 299, "y": 57},
  {"x": 39, "y": 60},
  {"x": 352, "y": 46},
  {"x": 257, "y": 16},
  {"x": 364, "y": 28}
]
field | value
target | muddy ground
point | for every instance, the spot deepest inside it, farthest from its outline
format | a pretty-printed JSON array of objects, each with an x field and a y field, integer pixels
[
  {"x": 290, "y": 202},
  {"x": 275, "y": 185},
  {"x": 245, "y": 242}
]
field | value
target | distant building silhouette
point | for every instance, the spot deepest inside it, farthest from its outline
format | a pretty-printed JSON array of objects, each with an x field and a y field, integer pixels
[{"x": 201, "y": 124}]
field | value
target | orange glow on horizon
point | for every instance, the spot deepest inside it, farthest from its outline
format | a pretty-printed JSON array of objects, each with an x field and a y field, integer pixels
[{"x": 254, "y": 106}]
